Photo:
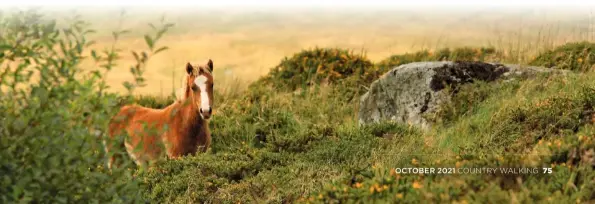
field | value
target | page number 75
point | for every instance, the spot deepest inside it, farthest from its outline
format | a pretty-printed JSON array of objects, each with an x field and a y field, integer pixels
[{"x": 547, "y": 170}]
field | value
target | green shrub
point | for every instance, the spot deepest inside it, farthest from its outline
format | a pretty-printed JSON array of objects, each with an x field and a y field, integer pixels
[
  {"x": 576, "y": 56},
  {"x": 51, "y": 130},
  {"x": 465, "y": 100},
  {"x": 468, "y": 54},
  {"x": 396, "y": 60},
  {"x": 446, "y": 54},
  {"x": 316, "y": 66},
  {"x": 199, "y": 178},
  {"x": 154, "y": 101},
  {"x": 519, "y": 127}
]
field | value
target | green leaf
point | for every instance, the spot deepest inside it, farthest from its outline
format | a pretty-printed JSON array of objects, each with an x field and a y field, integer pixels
[
  {"x": 128, "y": 85},
  {"x": 161, "y": 49},
  {"x": 90, "y": 43},
  {"x": 149, "y": 41},
  {"x": 94, "y": 55},
  {"x": 5, "y": 47}
]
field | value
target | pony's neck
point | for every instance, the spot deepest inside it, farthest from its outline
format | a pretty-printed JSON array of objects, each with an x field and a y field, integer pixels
[{"x": 189, "y": 113}]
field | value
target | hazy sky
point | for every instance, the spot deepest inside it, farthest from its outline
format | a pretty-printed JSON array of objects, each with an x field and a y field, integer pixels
[{"x": 302, "y": 3}]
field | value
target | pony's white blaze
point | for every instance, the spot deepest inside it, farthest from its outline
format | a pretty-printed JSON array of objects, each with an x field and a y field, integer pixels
[{"x": 201, "y": 82}]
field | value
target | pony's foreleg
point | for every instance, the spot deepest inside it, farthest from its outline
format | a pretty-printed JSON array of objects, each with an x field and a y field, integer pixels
[
  {"x": 112, "y": 148},
  {"x": 137, "y": 158},
  {"x": 111, "y": 158}
]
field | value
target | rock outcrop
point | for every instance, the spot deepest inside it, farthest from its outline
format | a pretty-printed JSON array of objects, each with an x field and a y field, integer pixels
[{"x": 408, "y": 91}]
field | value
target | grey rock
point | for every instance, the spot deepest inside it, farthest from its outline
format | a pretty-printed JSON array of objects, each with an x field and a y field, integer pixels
[{"x": 411, "y": 90}]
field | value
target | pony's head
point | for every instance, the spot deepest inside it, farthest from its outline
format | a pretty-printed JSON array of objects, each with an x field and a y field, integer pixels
[{"x": 199, "y": 87}]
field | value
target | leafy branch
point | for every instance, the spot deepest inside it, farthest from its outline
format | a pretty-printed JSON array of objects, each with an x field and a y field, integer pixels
[{"x": 142, "y": 57}]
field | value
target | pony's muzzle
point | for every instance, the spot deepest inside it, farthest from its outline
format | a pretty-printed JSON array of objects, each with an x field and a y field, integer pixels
[{"x": 206, "y": 114}]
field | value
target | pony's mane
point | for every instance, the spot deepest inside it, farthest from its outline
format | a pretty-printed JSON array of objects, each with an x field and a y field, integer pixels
[{"x": 180, "y": 92}]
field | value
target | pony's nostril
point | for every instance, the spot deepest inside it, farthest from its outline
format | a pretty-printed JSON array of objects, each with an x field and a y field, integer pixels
[
  {"x": 200, "y": 110},
  {"x": 210, "y": 110}
]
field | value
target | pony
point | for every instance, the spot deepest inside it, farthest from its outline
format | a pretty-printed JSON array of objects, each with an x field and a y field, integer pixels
[{"x": 178, "y": 130}]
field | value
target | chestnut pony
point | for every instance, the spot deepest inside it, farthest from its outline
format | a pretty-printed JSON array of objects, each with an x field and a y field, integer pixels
[{"x": 179, "y": 129}]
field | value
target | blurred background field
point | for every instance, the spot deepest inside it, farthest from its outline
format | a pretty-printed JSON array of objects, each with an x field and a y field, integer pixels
[{"x": 246, "y": 44}]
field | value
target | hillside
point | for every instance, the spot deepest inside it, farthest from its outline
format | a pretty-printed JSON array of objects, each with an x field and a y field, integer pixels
[{"x": 293, "y": 135}]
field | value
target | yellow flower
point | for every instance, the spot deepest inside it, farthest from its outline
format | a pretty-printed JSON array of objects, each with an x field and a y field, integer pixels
[
  {"x": 358, "y": 185},
  {"x": 458, "y": 164},
  {"x": 414, "y": 161},
  {"x": 319, "y": 69},
  {"x": 417, "y": 185},
  {"x": 384, "y": 187},
  {"x": 580, "y": 60},
  {"x": 320, "y": 196},
  {"x": 399, "y": 195},
  {"x": 344, "y": 189},
  {"x": 371, "y": 189}
]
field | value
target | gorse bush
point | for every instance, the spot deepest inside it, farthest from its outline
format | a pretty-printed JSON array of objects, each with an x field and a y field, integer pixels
[
  {"x": 316, "y": 66},
  {"x": 396, "y": 60},
  {"x": 321, "y": 66},
  {"x": 151, "y": 101},
  {"x": 448, "y": 54},
  {"x": 576, "y": 56},
  {"x": 54, "y": 114}
]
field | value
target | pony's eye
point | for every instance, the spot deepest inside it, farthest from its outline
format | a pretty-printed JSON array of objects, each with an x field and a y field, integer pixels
[{"x": 194, "y": 88}]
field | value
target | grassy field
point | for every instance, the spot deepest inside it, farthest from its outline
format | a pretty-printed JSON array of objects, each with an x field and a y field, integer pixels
[
  {"x": 280, "y": 140},
  {"x": 245, "y": 44}
]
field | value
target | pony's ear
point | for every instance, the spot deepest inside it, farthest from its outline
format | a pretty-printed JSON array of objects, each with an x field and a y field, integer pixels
[
  {"x": 210, "y": 65},
  {"x": 189, "y": 68}
]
